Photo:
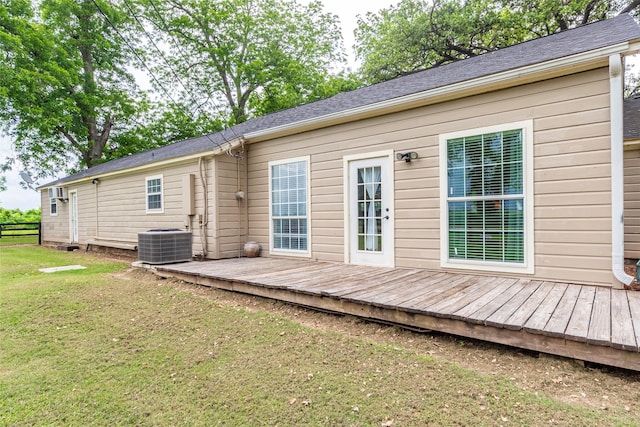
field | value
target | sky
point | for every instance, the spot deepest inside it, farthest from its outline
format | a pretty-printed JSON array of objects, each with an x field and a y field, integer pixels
[
  {"x": 347, "y": 10},
  {"x": 15, "y": 197}
]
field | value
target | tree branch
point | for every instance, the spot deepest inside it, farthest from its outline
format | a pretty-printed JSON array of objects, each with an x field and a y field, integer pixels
[
  {"x": 100, "y": 142},
  {"x": 69, "y": 137},
  {"x": 634, "y": 4},
  {"x": 587, "y": 11}
]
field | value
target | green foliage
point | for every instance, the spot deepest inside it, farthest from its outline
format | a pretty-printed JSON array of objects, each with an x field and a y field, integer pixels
[
  {"x": 418, "y": 34},
  {"x": 67, "y": 95},
  {"x": 284, "y": 96},
  {"x": 242, "y": 58},
  {"x": 152, "y": 128},
  {"x": 64, "y": 83},
  {"x": 14, "y": 216},
  {"x": 632, "y": 80}
]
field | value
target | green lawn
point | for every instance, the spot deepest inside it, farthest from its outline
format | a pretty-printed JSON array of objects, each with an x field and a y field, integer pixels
[
  {"x": 103, "y": 347},
  {"x": 18, "y": 240},
  {"x": 20, "y": 236}
]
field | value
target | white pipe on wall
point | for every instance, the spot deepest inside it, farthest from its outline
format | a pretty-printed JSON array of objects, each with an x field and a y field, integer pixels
[{"x": 616, "y": 88}]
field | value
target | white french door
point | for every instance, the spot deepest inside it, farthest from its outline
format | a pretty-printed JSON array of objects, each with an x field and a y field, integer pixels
[{"x": 370, "y": 211}]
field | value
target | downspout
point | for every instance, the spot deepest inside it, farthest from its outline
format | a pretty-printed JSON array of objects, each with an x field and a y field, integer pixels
[
  {"x": 96, "y": 183},
  {"x": 202, "y": 168},
  {"x": 616, "y": 94}
]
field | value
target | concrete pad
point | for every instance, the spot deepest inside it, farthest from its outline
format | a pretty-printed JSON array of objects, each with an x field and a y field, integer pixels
[
  {"x": 139, "y": 264},
  {"x": 62, "y": 268}
]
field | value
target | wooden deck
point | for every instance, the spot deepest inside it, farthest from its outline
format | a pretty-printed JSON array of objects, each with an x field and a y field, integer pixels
[{"x": 588, "y": 323}]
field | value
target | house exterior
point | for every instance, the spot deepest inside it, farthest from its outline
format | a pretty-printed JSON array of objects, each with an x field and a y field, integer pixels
[{"x": 508, "y": 164}]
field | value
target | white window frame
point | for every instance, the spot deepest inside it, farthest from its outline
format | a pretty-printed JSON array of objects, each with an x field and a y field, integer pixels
[
  {"x": 147, "y": 194},
  {"x": 291, "y": 252},
  {"x": 53, "y": 201},
  {"x": 527, "y": 267}
]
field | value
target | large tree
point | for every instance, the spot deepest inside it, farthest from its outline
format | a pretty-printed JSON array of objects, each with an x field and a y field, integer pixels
[
  {"x": 243, "y": 58},
  {"x": 417, "y": 34},
  {"x": 64, "y": 85},
  {"x": 68, "y": 98}
]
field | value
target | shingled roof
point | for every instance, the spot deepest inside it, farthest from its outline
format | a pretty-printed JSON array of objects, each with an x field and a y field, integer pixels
[{"x": 579, "y": 40}]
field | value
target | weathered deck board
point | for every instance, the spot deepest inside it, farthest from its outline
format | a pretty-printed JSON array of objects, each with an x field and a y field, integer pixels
[
  {"x": 622, "y": 335},
  {"x": 592, "y": 323},
  {"x": 600, "y": 324},
  {"x": 519, "y": 317},
  {"x": 265, "y": 267},
  {"x": 443, "y": 289},
  {"x": 364, "y": 280},
  {"x": 280, "y": 276},
  {"x": 557, "y": 324},
  {"x": 634, "y": 308},
  {"x": 499, "y": 318},
  {"x": 541, "y": 316},
  {"x": 316, "y": 286},
  {"x": 417, "y": 288},
  {"x": 501, "y": 287},
  {"x": 443, "y": 307},
  {"x": 329, "y": 273},
  {"x": 388, "y": 284},
  {"x": 578, "y": 327}
]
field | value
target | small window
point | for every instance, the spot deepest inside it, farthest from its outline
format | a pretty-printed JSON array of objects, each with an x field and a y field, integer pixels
[
  {"x": 154, "y": 195},
  {"x": 289, "y": 192},
  {"x": 53, "y": 203}
]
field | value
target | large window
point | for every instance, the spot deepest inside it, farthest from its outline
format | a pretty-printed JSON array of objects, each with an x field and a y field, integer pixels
[
  {"x": 289, "y": 192},
  {"x": 486, "y": 216},
  {"x": 154, "y": 194}
]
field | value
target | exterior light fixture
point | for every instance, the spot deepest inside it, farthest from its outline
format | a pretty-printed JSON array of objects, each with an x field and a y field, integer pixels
[
  {"x": 408, "y": 156},
  {"x": 95, "y": 181}
]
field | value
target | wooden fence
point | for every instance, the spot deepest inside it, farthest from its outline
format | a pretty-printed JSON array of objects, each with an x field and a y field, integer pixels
[{"x": 21, "y": 229}]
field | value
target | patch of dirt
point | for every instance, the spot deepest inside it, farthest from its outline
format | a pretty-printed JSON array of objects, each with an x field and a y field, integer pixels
[
  {"x": 630, "y": 269},
  {"x": 575, "y": 382}
]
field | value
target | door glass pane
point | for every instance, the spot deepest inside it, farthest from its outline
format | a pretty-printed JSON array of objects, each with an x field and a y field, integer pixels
[{"x": 369, "y": 205}]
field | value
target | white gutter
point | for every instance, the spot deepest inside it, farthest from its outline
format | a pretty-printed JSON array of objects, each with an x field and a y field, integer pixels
[
  {"x": 549, "y": 69},
  {"x": 616, "y": 76}
]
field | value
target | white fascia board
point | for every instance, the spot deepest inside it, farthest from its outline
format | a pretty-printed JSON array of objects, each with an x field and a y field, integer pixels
[
  {"x": 230, "y": 145},
  {"x": 633, "y": 48},
  {"x": 543, "y": 70}
]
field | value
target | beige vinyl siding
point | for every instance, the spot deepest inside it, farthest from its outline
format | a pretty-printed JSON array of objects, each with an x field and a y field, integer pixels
[
  {"x": 571, "y": 171},
  {"x": 113, "y": 211},
  {"x": 231, "y": 216},
  {"x": 55, "y": 229},
  {"x": 632, "y": 203},
  {"x": 122, "y": 205},
  {"x": 86, "y": 210}
]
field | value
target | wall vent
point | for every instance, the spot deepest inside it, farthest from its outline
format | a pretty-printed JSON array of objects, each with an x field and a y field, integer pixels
[{"x": 164, "y": 246}]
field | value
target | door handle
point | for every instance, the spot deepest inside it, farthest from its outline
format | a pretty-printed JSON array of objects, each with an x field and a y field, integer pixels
[{"x": 386, "y": 217}]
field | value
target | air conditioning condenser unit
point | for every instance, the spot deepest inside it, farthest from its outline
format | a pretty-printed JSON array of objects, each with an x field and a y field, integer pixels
[{"x": 164, "y": 246}]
